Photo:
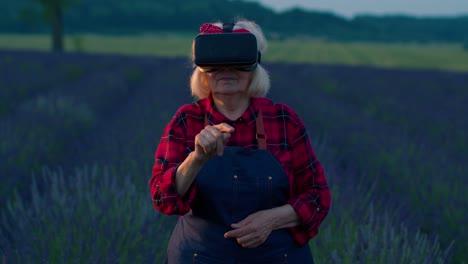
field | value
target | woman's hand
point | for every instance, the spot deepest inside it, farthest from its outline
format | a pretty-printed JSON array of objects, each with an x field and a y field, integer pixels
[
  {"x": 210, "y": 141},
  {"x": 253, "y": 230}
]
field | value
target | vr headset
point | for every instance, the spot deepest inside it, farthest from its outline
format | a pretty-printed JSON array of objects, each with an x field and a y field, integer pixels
[{"x": 216, "y": 50}]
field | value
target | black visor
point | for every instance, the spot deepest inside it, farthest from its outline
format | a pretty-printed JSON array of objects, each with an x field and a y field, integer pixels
[{"x": 225, "y": 49}]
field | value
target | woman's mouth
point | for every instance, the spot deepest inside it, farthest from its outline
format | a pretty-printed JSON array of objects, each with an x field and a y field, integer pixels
[{"x": 226, "y": 79}]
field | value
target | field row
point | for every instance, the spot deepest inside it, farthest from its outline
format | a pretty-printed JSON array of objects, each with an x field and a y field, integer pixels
[{"x": 390, "y": 173}]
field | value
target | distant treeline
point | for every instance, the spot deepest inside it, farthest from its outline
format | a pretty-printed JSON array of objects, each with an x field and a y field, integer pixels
[{"x": 128, "y": 17}]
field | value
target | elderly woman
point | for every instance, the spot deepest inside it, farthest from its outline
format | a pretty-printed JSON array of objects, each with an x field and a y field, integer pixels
[{"x": 237, "y": 167}]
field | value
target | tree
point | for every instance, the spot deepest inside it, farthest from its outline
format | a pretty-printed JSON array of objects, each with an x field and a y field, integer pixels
[{"x": 53, "y": 14}]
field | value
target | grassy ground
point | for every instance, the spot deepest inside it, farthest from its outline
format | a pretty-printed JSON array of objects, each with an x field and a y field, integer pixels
[{"x": 425, "y": 56}]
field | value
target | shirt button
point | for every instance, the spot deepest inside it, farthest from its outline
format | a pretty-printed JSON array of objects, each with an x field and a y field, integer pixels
[{"x": 318, "y": 209}]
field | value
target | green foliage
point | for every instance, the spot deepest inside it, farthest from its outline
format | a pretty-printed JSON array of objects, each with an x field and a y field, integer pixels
[
  {"x": 52, "y": 11},
  {"x": 385, "y": 130},
  {"x": 376, "y": 239},
  {"x": 91, "y": 216},
  {"x": 31, "y": 15},
  {"x": 374, "y": 130},
  {"x": 72, "y": 116},
  {"x": 49, "y": 7},
  {"x": 328, "y": 86},
  {"x": 73, "y": 72},
  {"x": 135, "y": 74},
  {"x": 122, "y": 17},
  {"x": 39, "y": 135},
  {"x": 77, "y": 43},
  {"x": 98, "y": 214},
  {"x": 365, "y": 227}
]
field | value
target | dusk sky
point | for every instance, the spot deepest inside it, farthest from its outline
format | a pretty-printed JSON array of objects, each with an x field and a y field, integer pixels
[{"x": 350, "y": 8}]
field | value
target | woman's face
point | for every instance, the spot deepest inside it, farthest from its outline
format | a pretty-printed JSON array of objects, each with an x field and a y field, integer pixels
[{"x": 229, "y": 81}]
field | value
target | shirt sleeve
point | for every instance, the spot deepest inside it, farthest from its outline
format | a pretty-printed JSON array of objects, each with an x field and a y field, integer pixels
[
  {"x": 170, "y": 153},
  {"x": 311, "y": 196}
]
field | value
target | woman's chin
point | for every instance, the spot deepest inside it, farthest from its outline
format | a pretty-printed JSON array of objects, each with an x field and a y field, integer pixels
[{"x": 227, "y": 89}]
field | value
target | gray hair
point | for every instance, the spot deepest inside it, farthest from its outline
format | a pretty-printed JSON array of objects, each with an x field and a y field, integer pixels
[{"x": 260, "y": 84}]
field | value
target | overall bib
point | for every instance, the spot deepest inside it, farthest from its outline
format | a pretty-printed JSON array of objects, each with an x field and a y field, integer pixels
[{"x": 230, "y": 188}]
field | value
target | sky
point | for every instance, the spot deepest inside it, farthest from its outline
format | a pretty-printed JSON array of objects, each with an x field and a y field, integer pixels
[{"x": 350, "y": 8}]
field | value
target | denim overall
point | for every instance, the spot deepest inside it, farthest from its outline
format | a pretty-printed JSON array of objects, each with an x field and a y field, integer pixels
[{"x": 230, "y": 188}]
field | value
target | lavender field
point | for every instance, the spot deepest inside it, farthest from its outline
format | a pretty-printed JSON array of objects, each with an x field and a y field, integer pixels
[{"x": 78, "y": 134}]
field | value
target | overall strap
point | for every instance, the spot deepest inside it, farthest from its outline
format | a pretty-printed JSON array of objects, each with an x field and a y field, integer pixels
[
  {"x": 206, "y": 123},
  {"x": 261, "y": 136},
  {"x": 260, "y": 130}
]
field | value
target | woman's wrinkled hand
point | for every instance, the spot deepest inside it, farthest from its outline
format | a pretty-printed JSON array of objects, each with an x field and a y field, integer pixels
[
  {"x": 253, "y": 230},
  {"x": 210, "y": 141}
]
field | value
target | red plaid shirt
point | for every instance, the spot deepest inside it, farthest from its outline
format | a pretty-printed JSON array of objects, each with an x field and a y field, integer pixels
[{"x": 287, "y": 139}]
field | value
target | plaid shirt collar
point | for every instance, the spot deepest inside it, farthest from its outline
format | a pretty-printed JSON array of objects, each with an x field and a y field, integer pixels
[{"x": 216, "y": 117}]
